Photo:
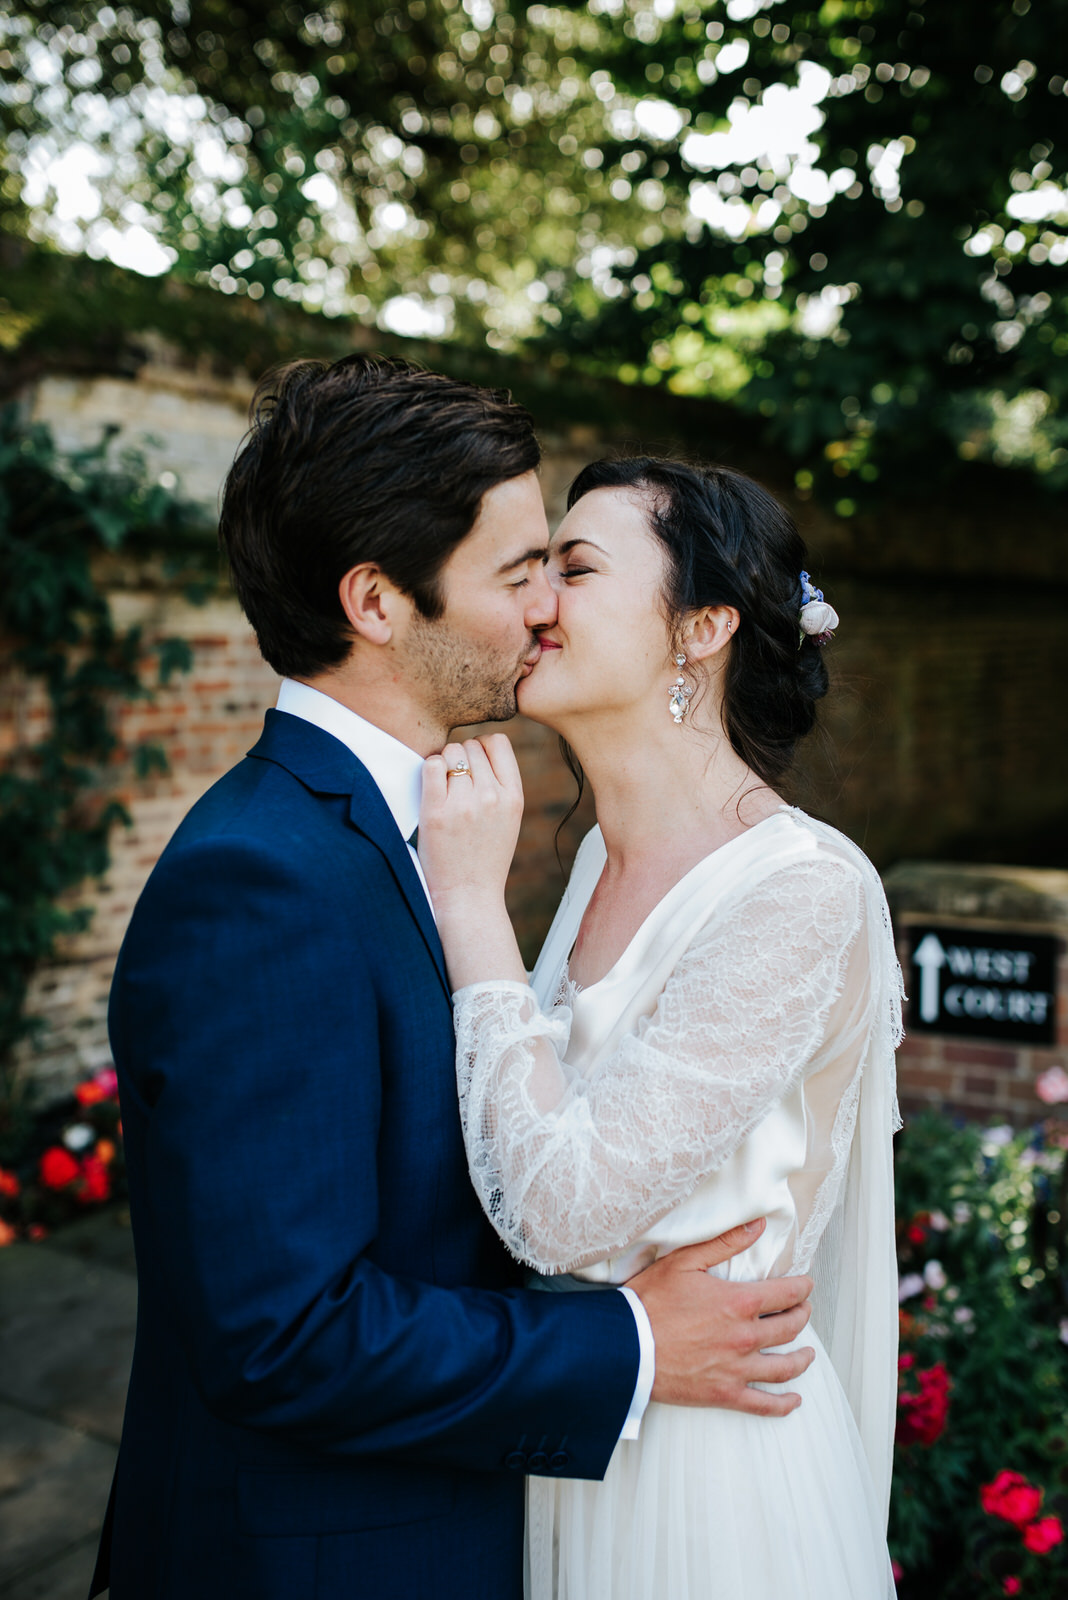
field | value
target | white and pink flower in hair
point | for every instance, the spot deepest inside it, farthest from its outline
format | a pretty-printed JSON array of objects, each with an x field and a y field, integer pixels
[{"x": 817, "y": 618}]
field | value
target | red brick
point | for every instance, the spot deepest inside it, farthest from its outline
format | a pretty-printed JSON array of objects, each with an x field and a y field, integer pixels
[
  {"x": 937, "y": 1082},
  {"x": 980, "y": 1055}
]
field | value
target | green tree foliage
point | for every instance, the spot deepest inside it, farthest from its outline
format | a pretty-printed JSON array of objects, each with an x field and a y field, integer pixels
[
  {"x": 885, "y": 293},
  {"x": 58, "y": 519}
]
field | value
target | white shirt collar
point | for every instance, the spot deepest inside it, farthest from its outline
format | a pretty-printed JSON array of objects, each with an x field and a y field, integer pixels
[{"x": 396, "y": 769}]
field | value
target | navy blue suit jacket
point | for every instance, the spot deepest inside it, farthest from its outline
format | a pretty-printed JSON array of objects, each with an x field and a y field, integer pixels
[{"x": 337, "y": 1386}]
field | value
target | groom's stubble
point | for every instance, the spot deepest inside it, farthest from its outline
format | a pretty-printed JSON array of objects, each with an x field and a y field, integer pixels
[{"x": 462, "y": 681}]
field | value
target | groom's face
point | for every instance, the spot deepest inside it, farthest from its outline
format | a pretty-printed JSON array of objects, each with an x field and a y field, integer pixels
[{"x": 468, "y": 661}]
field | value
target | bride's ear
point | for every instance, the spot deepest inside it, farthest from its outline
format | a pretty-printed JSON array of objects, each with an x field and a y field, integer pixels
[{"x": 709, "y": 631}]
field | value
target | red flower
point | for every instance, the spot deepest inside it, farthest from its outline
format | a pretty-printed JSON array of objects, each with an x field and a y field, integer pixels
[
  {"x": 921, "y": 1416},
  {"x": 907, "y": 1324},
  {"x": 103, "y": 1087},
  {"x": 916, "y": 1234},
  {"x": 89, "y": 1094},
  {"x": 96, "y": 1181},
  {"x": 58, "y": 1168},
  {"x": 1012, "y": 1585},
  {"x": 36, "y": 1231},
  {"x": 9, "y": 1184},
  {"x": 1041, "y": 1536},
  {"x": 1011, "y": 1496}
]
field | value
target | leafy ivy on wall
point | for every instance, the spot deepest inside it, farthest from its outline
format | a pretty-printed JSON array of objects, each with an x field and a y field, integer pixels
[{"x": 61, "y": 519}]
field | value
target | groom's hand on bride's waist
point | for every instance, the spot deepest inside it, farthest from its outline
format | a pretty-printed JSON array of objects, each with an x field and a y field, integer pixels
[{"x": 711, "y": 1335}]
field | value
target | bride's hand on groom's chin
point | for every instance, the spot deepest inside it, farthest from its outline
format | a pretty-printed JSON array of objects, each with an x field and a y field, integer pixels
[
  {"x": 469, "y": 821},
  {"x": 709, "y": 1332}
]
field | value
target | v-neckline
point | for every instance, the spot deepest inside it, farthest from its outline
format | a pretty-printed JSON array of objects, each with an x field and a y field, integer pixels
[{"x": 588, "y": 988}]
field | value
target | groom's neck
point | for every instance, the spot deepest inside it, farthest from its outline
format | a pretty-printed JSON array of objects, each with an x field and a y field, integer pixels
[{"x": 387, "y": 702}]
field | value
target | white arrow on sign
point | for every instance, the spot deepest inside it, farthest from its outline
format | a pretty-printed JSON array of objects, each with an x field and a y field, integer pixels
[{"x": 930, "y": 958}]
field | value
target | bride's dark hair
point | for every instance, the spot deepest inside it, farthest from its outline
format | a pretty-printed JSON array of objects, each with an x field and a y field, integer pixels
[{"x": 729, "y": 543}]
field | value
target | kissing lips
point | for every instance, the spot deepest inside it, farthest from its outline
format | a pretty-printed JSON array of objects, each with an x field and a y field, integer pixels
[{"x": 529, "y": 663}]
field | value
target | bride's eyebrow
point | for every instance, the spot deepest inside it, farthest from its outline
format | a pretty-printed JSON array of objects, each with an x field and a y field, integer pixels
[{"x": 569, "y": 545}]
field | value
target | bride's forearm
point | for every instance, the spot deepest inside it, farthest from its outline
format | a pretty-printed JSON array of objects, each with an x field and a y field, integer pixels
[{"x": 478, "y": 941}]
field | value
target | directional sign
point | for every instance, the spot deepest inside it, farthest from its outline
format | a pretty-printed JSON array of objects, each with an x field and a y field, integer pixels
[{"x": 989, "y": 983}]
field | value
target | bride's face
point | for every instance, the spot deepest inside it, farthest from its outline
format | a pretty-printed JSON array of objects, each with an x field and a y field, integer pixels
[{"x": 609, "y": 649}]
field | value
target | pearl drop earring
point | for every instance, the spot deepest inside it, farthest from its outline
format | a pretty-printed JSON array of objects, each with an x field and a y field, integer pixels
[{"x": 679, "y": 694}]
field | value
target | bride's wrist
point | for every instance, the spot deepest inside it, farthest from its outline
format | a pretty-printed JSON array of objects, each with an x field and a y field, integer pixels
[
  {"x": 468, "y": 906},
  {"x": 478, "y": 940}
]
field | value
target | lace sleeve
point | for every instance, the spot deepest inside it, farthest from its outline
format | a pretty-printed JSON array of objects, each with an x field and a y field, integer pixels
[{"x": 570, "y": 1169}]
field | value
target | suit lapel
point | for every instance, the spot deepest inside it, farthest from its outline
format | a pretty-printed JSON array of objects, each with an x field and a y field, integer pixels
[
  {"x": 369, "y": 813},
  {"x": 326, "y": 766}
]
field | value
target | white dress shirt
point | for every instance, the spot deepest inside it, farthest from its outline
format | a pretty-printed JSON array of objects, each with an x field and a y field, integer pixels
[{"x": 397, "y": 772}]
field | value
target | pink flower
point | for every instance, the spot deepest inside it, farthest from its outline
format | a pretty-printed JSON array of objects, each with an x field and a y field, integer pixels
[
  {"x": 1041, "y": 1536},
  {"x": 1051, "y": 1086},
  {"x": 898, "y": 1570},
  {"x": 1011, "y": 1585},
  {"x": 1011, "y": 1496}
]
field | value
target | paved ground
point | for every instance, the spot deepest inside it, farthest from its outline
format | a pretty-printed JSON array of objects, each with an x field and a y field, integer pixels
[{"x": 67, "y": 1310}]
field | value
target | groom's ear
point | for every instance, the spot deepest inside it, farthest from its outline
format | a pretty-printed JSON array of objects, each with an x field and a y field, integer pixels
[{"x": 373, "y": 605}]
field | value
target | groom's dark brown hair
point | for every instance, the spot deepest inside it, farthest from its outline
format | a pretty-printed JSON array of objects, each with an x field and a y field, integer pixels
[{"x": 367, "y": 459}]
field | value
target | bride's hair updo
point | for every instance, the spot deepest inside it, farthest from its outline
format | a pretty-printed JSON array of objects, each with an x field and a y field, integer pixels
[{"x": 729, "y": 543}]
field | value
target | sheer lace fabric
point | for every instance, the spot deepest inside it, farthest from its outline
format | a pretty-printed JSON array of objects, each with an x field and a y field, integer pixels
[
  {"x": 737, "y": 1061},
  {"x": 572, "y": 1167}
]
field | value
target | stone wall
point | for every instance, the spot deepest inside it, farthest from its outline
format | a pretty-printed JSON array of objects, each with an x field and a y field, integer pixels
[{"x": 944, "y": 735}]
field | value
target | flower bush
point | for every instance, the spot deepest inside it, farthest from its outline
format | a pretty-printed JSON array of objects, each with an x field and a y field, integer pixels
[
  {"x": 55, "y": 1166},
  {"x": 980, "y": 1496},
  {"x": 981, "y": 1471}
]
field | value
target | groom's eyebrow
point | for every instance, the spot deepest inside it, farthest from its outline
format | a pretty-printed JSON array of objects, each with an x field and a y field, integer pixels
[{"x": 540, "y": 553}]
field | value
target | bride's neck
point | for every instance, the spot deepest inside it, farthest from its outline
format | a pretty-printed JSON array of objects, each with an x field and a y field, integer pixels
[{"x": 670, "y": 794}]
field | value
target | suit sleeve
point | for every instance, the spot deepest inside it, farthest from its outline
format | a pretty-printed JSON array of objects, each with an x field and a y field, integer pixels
[{"x": 248, "y": 1053}]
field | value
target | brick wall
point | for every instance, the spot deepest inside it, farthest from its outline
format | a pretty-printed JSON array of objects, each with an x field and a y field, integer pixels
[
  {"x": 943, "y": 734},
  {"x": 974, "y": 1080}
]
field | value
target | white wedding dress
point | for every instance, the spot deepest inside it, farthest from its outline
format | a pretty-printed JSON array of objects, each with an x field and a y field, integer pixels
[{"x": 736, "y": 1062}]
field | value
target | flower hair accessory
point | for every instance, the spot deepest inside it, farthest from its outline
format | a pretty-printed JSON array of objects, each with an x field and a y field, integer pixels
[{"x": 817, "y": 619}]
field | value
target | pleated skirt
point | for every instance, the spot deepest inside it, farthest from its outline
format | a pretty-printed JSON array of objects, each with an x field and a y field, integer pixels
[{"x": 717, "y": 1505}]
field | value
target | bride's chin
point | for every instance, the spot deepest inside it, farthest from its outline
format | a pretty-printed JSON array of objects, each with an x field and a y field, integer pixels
[{"x": 529, "y": 703}]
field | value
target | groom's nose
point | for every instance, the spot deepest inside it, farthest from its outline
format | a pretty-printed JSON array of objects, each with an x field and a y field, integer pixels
[{"x": 541, "y": 607}]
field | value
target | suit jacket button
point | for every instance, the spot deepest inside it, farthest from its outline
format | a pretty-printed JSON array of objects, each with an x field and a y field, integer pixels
[
  {"x": 538, "y": 1461},
  {"x": 559, "y": 1460},
  {"x": 517, "y": 1460}
]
